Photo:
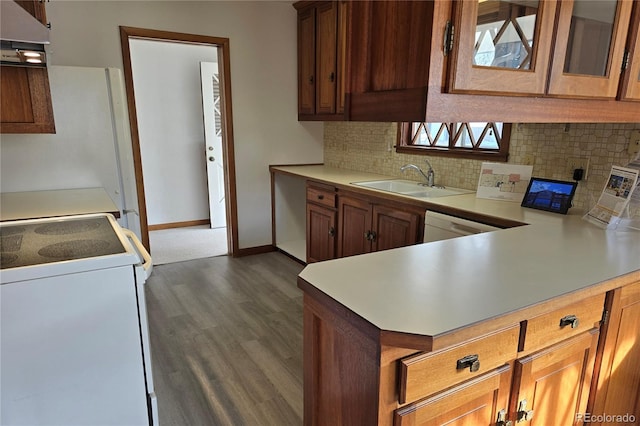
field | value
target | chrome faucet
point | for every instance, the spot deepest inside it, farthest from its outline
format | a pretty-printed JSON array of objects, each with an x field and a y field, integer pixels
[{"x": 429, "y": 176}]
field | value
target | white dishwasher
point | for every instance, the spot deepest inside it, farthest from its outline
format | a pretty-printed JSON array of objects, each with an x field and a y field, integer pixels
[{"x": 439, "y": 226}]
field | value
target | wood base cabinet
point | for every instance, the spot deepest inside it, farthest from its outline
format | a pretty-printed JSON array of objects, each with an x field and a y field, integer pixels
[
  {"x": 321, "y": 223},
  {"x": 481, "y": 401},
  {"x": 618, "y": 385},
  {"x": 551, "y": 387},
  {"x": 365, "y": 226},
  {"x": 357, "y": 374}
]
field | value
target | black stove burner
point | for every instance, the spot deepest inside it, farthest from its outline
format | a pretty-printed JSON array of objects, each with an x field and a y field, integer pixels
[
  {"x": 5, "y": 231},
  {"x": 74, "y": 249},
  {"x": 65, "y": 228},
  {"x": 10, "y": 242},
  {"x": 7, "y": 258}
]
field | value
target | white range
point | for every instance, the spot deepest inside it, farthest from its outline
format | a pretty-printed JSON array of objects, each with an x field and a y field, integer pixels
[{"x": 74, "y": 342}]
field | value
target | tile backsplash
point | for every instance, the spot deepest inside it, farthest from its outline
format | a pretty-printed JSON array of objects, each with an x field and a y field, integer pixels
[{"x": 369, "y": 147}]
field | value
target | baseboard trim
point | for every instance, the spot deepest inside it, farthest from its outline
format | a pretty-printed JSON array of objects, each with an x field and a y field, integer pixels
[
  {"x": 184, "y": 224},
  {"x": 254, "y": 250}
]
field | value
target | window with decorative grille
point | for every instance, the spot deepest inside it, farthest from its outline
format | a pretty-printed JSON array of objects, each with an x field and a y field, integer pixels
[{"x": 482, "y": 141}]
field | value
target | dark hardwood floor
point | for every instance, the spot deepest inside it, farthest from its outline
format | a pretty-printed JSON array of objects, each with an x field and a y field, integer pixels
[{"x": 226, "y": 341}]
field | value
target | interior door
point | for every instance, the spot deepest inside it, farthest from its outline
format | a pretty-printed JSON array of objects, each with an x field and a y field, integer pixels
[{"x": 213, "y": 143}]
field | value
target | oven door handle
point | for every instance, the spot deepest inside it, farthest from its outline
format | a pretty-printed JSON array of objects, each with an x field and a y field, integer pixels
[{"x": 148, "y": 263}]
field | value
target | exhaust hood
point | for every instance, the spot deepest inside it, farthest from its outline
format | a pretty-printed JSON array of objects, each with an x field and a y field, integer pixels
[{"x": 22, "y": 36}]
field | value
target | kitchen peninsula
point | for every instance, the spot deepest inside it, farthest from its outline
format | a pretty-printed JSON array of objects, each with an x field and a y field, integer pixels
[{"x": 536, "y": 323}]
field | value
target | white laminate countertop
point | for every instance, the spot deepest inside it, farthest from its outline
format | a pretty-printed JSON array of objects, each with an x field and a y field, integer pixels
[
  {"x": 434, "y": 288},
  {"x": 53, "y": 203}
]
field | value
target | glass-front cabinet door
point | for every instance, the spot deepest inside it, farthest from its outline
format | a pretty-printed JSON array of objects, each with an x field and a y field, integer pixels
[
  {"x": 589, "y": 48},
  {"x": 501, "y": 46},
  {"x": 631, "y": 85}
]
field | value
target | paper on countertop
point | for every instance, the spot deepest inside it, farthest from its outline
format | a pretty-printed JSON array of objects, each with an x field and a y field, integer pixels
[
  {"x": 618, "y": 191},
  {"x": 507, "y": 182}
]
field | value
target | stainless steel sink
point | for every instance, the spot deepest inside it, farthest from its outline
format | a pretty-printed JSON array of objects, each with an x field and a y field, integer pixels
[{"x": 411, "y": 188}]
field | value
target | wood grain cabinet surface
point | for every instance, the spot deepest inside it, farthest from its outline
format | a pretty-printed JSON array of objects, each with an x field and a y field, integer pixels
[
  {"x": 25, "y": 104},
  {"x": 550, "y": 62},
  {"x": 366, "y": 225},
  {"x": 356, "y": 374},
  {"x": 321, "y": 223},
  {"x": 321, "y": 59},
  {"x": 618, "y": 384}
]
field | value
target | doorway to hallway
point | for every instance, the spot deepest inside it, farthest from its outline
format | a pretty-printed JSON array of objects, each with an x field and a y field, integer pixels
[{"x": 183, "y": 145}]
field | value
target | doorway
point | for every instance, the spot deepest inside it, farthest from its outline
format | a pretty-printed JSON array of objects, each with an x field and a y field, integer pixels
[{"x": 213, "y": 164}]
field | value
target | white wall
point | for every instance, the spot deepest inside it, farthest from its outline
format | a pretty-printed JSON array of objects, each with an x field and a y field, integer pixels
[
  {"x": 262, "y": 38},
  {"x": 170, "y": 125}
]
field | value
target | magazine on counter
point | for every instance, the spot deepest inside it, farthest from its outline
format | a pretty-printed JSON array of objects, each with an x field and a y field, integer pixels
[{"x": 619, "y": 189}]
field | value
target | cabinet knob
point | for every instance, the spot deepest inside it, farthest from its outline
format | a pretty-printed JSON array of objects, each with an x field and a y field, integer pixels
[
  {"x": 311, "y": 80},
  {"x": 524, "y": 415},
  {"x": 471, "y": 361},
  {"x": 332, "y": 77},
  {"x": 571, "y": 320},
  {"x": 332, "y": 232},
  {"x": 320, "y": 197}
]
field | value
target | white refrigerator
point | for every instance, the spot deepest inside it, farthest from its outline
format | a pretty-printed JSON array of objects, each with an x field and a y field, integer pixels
[{"x": 91, "y": 147}]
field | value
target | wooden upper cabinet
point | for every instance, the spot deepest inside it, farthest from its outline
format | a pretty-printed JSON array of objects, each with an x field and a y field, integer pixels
[
  {"x": 501, "y": 47},
  {"x": 35, "y": 8},
  {"x": 630, "y": 88},
  {"x": 25, "y": 104},
  {"x": 389, "y": 43},
  {"x": 589, "y": 48},
  {"x": 321, "y": 56},
  {"x": 306, "y": 61}
]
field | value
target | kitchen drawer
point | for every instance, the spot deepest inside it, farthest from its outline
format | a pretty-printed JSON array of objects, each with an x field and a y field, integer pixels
[
  {"x": 476, "y": 401},
  {"x": 322, "y": 196},
  {"x": 424, "y": 374},
  {"x": 552, "y": 327}
]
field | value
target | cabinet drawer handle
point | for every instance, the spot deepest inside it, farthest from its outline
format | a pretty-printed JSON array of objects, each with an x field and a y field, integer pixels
[
  {"x": 471, "y": 361},
  {"x": 571, "y": 320},
  {"x": 320, "y": 197}
]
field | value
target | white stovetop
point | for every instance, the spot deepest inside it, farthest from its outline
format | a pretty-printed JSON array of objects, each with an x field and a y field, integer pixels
[{"x": 430, "y": 289}]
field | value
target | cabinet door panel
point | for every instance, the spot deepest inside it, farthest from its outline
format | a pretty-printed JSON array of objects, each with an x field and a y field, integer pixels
[
  {"x": 16, "y": 97},
  {"x": 321, "y": 231},
  {"x": 326, "y": 39},
  {"x": 631, "y": 84},
  {"x": 389, "y": 49},
  {"x": 25, "y": 104},
  {"x": 502, "y": 47},
  {"x": 618, "y": 390},
  {"x": 306, "y": 61},
  {"x": 555, "y": 382},
  {"x": 354, "y": 222},
  {"x": 589, "y": 48},
  {"x": 393, "y": 228},
  {"x": 343, "y": 13},
  {"x": 35, "y": 8},
  {"x": 476, "y": 402}
]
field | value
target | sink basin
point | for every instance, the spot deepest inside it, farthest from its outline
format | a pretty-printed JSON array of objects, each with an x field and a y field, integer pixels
[
  {"x": 411, "y": 188},
  {"x": 395, "y": 185}
]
